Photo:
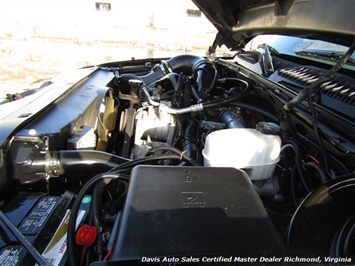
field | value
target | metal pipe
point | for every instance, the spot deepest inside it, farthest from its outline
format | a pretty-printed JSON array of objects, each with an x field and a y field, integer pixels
[
  {"x": 150, "y": 100},
  {"x": 190, "y": 109},
  {"x": 163, "y": 107}
]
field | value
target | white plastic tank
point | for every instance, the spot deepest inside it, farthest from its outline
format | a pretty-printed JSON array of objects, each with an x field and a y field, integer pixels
[{"x": 243, "y": 148}]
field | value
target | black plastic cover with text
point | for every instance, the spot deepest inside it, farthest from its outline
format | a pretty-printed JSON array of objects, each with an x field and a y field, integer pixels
[{"x": 179, "y": 211}]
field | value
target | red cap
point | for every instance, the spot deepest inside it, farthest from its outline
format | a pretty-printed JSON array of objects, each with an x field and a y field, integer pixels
[{"x": 86, "y": 235}]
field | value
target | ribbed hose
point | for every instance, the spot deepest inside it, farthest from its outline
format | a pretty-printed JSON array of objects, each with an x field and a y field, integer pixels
[{"x": 202, "y": 69}]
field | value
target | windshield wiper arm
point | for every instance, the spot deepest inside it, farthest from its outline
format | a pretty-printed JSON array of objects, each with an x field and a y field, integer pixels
[
  {"x": 332, "y": 56},
  {"x": 267, "y": 59}
]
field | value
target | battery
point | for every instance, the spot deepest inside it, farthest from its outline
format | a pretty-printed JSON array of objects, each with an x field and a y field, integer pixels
[
  {"x": 55, "y": 252},
  {"x": 36, "y": 216},
  {"x": 30, "y": 213}
]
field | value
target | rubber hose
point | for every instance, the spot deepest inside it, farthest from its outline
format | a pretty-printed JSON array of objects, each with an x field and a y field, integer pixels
[
  {"x": 319, "y": 170},
  {"x": 188, "y": 64},
  {"x": 252, "y": 108},
  {"x": 74, "y": 212},
  {"x": 190, "y": 142},
  {"x": 97, "y": 215},
  {"x": 73, "y": 161}
]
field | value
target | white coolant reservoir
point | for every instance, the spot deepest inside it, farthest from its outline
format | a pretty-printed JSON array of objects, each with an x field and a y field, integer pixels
[{"x": 244, "y": 148}]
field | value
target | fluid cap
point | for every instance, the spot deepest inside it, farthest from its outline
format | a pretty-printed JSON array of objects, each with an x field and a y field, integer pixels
[
  {"x": 268, "y": 128},
  {"x": 86, "y": 235}
]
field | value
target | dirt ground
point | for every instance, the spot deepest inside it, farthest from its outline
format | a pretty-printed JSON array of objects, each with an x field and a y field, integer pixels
[
  {"x": 41, "y": 39},
  {"x": 29, "y": 61}
]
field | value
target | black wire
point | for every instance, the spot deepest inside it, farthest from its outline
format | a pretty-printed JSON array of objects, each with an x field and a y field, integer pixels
[
  {"x": 97, "y": 216},
  {"x": 325, "y": 77},
  {"x": 349, "y": 175},
  {"x": 114, "y": 173},
  {"x": 316, "y": 132},
  {"x": 150, "y": 159},
  {"x": 179, "y": 132},
  {"x": 180, "y": 82},
  {"x": 319, "y": 169},
  {"x": 339, "y": 163},
  {"x": 213, "y": 83},
  {"x": 229, "y": 99},
  {"x": 170, "y": 94},
  {"x": 298, "y": 159},
  {"x": 174, "y": 150},
  {"x": 75, "y": 210},
  {"x": 333, "y": 159},
  {"x": 252, "y": 108}
]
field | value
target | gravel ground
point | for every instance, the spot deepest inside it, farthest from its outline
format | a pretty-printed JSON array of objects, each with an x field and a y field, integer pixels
[
  {"x": 28, "y": 62},
  {"x": 44, "y": 38}
]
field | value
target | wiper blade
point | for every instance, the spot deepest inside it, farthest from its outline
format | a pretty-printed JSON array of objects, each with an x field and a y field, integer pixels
[{"x": 332, "y": 56}]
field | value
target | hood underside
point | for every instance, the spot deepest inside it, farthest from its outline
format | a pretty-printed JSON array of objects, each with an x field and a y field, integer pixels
[{"x": 238, "y": 21}]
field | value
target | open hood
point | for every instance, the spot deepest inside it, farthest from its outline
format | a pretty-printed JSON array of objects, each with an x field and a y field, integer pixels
[{"x": 237, "y": 21}]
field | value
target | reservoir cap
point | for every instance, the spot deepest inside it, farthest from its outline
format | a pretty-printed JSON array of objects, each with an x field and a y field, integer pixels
[{"x": 268, "y": 128}]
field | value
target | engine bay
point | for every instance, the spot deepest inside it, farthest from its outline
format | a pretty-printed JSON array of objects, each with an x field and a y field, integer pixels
[{"x": 185, "y": 157}]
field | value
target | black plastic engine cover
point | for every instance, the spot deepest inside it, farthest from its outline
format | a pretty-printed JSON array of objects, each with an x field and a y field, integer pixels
[{"x": 179, "y": 211}]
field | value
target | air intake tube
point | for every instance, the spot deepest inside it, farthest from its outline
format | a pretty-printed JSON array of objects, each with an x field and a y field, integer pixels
[
  {"x": 33, "y": 166},
  {"x": 203, "y": 71}
]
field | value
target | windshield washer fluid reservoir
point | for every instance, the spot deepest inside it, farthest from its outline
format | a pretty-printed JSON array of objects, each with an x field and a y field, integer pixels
[{"x": 243, "y": 148}]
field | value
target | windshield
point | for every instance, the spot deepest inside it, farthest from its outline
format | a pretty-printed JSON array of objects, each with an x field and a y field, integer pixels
[{"x": 312, "y": 49}]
